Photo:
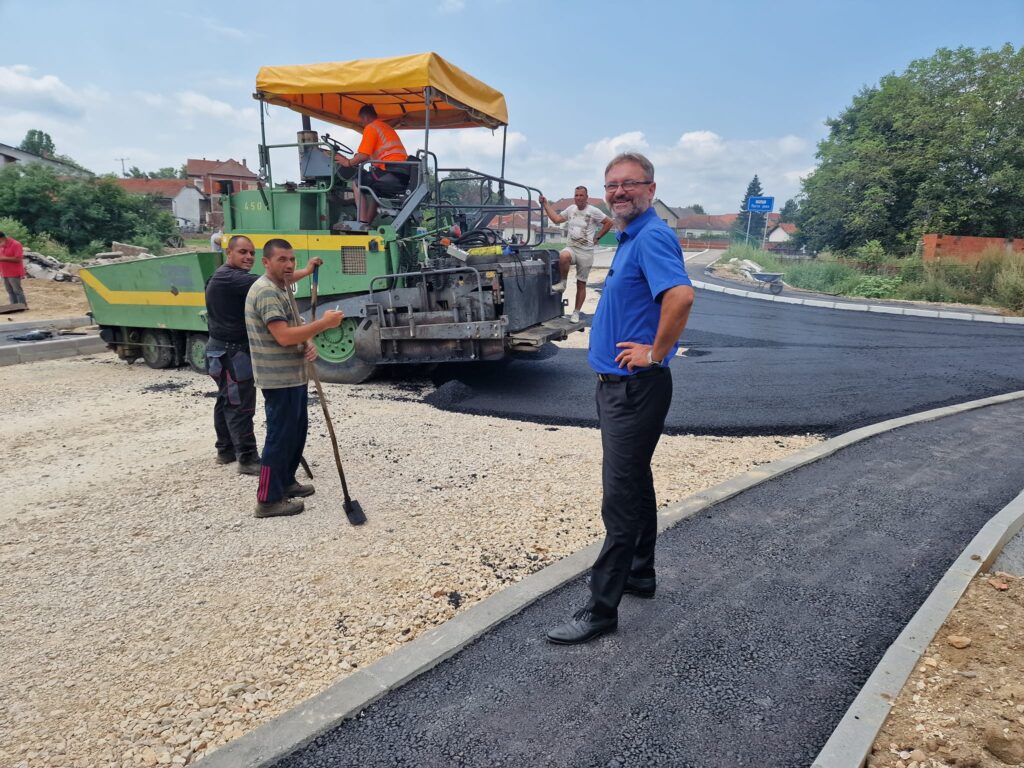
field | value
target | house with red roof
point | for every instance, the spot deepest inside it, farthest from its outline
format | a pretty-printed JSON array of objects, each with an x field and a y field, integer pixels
[
  {"x": 782, "y": 233},
  {"x": 208, "y": 175},
  {"x": 180, "y": 197}
]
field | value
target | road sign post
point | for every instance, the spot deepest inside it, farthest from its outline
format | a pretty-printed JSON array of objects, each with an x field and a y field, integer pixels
[{"x": 758, "y": 204}]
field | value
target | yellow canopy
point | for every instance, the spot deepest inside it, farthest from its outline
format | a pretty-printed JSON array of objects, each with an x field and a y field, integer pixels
[{"x": 395, "y": 87}]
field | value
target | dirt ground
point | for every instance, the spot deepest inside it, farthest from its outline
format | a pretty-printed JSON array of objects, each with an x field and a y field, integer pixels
[
  {"x": 49, "y": 300},
  {"x": 964, "y": 704}
]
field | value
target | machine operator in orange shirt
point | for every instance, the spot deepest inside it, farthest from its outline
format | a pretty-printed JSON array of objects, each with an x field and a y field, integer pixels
[{"x": 380, "y": 144}]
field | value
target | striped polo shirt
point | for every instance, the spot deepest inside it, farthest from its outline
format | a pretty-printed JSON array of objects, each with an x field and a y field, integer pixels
[{"x": 274, "y": 366}]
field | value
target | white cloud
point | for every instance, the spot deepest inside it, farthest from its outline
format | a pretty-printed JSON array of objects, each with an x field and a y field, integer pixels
[
  {"x": 20, "y": 90},
  {"x": 192, "y": 104},
  {"x": 217, "y": 27},
  {"x": 451, "y": 6},
  {"x": 150, "y": 99}
]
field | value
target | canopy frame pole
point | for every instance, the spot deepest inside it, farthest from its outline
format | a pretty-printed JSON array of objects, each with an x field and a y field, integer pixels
[{"x": 501, "y": 184}]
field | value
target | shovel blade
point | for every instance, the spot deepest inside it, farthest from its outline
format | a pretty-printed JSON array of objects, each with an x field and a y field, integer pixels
[{"x": 354, "y": 512}]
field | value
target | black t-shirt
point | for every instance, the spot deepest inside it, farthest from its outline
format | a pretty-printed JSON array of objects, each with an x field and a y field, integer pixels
[{"x": 225, "y": 303}]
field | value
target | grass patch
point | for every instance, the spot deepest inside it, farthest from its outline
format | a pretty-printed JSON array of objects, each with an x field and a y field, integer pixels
[{"x": 996, "y": 280}]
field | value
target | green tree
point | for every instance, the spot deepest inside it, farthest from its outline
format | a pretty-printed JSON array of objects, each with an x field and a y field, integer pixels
[
  {"x": 165, "y": 173},
  {"x": 38, "y": 143},
  {"x": 134, "y": 172},
  {"x": 698, "y": 209},
  {"x": 746, "y": 221},
  {"x": 789, "y": 211},
  {"x": 936, "y": 148},
  {"x": 77, "y": 211}
]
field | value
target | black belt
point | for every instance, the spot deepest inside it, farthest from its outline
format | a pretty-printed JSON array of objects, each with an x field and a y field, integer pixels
[
  {"x": 613, "y": 378},
  {"x": 228, "y": 346}
]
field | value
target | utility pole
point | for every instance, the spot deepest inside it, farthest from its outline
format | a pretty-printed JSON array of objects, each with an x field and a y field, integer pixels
[{"x": 122, "y": 159}]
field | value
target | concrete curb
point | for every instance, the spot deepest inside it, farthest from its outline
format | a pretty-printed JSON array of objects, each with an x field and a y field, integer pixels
[
  {"x": 887, "y": 309},
  {"x": 850, "y": 743},
  {"x": 60, "y": 322},
  {"x": 296, "y": 728},
  {"x": 69, "y": 346}
]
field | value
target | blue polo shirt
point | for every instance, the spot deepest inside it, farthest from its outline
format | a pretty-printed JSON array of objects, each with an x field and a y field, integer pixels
[{"x": 648, "y": 262}]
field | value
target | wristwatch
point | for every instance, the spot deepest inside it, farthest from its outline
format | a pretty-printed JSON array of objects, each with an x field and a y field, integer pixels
[{"x": 652, "y": 361}]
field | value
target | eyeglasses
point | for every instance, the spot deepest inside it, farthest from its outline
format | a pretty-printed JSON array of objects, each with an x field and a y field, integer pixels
[{"x": 627, "y": 186}]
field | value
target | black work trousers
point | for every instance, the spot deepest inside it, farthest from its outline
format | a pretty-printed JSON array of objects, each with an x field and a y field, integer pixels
[
  {"x": 287, "y": 425},
  {"x": 235, "y": 406},
  {"x": 631, "y": 414}
]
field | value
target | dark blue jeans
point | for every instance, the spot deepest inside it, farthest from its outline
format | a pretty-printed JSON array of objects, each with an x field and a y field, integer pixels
[
  {"x": 286, "y": 438},
  {"x": 631, "y": 414}
]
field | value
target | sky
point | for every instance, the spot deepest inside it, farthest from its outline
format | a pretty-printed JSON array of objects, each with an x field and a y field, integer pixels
[{"x": 712, "y": 92}]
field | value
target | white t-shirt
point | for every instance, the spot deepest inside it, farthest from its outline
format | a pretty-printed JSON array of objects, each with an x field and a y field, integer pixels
[{"x": 582, "y": 225}]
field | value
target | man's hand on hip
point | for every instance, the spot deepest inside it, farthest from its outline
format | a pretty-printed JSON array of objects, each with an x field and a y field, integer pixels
[{"x": 633, "y": 355}]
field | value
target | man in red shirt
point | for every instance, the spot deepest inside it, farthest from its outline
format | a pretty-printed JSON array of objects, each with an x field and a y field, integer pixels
[
  {"x": 380, "y": 144},
  {"x": 12, "y": 269}
]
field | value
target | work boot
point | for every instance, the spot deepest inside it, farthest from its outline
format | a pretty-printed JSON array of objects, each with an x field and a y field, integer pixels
[
  {"x": 281, "y": 508},
  {"x": 225, "y": 458},
  {"x": 298, "y": 489},
  {"x": 248, "y": 468},
  {"x": 558, "y": 287}
]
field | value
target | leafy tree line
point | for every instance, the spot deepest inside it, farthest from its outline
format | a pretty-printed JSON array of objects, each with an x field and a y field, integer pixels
[
  {"x": 937, "y": 148},
  {"x": 83, "y": 215}
]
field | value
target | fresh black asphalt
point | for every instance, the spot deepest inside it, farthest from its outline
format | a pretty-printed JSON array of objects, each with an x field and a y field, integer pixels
[
  {"x": 772, "y": 610},
  {"x": 755, "y": 367}
]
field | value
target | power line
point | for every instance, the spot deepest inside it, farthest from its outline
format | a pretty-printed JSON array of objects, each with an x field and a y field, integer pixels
[{"x": 122, "y": 159}]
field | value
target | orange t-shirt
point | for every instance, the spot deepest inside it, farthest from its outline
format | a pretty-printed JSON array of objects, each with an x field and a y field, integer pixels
[{"x": 381, "y": 143}]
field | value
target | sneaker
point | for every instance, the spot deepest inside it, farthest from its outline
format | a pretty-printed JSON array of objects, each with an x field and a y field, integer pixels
[
  {"x": 558, "y": 287},
  {"x": 225, "y": 458},
  {"x": 278, "y": 508},
  {"x": 248, "y": 469},
  {"x": 574, "y": 317},
  {"x": 298, "y": 489}
]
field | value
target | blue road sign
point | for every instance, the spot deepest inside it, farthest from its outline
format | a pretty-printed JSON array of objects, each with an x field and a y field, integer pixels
[{"x": 760, "y": 204}]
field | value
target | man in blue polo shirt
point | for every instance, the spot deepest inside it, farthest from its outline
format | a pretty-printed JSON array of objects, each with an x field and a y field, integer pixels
[{"x": 643, "y": 310}]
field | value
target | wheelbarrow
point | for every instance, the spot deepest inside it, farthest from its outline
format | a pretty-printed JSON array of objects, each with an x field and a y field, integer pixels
[{"x": 770, "y": 280}]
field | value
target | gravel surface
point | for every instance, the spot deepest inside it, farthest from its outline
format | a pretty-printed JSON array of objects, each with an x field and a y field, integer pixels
[
  {"x": 772, "y": 609},
  {"x": 148, "y": 617}
]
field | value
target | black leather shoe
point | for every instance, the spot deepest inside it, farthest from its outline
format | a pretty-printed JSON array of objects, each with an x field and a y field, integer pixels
[
  {"x": 638, "y": 587},
  {"x": 582, "y": 628},
  {"x": 225, "y": 458}
]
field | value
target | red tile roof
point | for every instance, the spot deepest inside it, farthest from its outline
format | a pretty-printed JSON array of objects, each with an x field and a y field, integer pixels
[
  {"x": 168, "y": 188},
  {"x": 788, "y": 227},
  {"x": 229, "y": 167}
]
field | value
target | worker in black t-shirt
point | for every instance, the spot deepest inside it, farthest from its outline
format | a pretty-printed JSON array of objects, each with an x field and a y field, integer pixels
[{"x": 227, "y": 354}]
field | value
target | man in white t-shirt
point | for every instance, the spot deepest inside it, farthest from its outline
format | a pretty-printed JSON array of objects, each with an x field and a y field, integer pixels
[{"x": 586, "y": 225}]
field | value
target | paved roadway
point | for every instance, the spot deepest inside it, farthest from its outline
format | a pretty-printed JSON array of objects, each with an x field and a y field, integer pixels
[
  {"x": 755, "y": 367},
  {"x": 772, "y": 610}
]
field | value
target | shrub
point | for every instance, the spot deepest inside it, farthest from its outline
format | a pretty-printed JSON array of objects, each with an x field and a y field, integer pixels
[
  {"x": 1009, "y": 283},
  {"x": 14, "y": 228},
  {"x": 872, "y": 254},
  {"x": 876, "y": 287},
  {"x": 912, "y": 270}
]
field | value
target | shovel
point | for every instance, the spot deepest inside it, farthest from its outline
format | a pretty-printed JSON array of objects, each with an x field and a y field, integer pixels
[{"x": 353, "y": 511}]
